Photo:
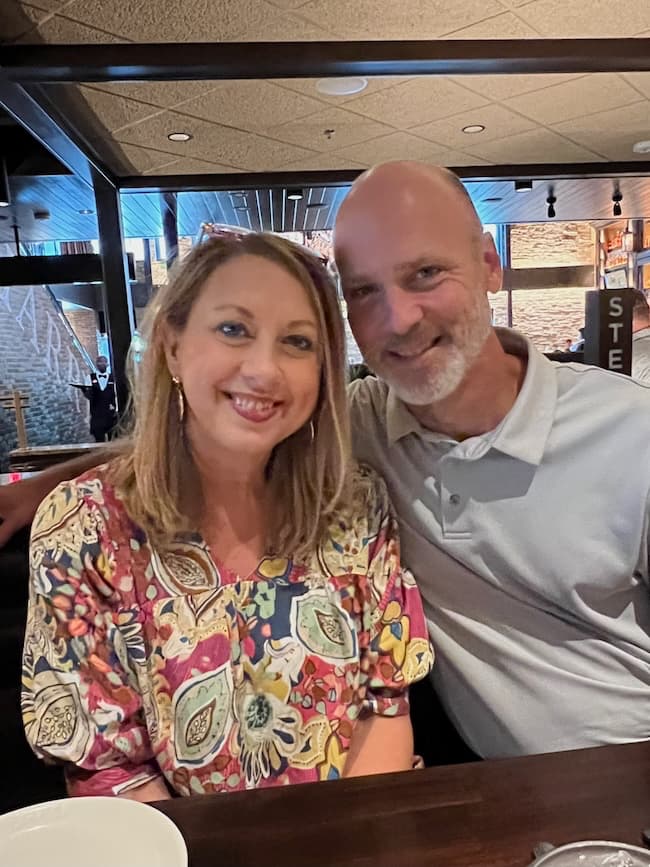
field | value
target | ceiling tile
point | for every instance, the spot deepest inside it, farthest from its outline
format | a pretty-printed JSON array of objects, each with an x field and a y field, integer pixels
[
  {"x": 515, "y": 4},
  {"x": 396, "y": 146},
  {"x": 583, "y": 19},
  {"x": 308, "y": 87},
  {"x": 498, "y": 123},
  {"x": 162, "y": 94},
  {"x": 288, "y": 4},
  {"x": 640, "y": 80},
  {"x": 189, "y": 166},
  {"x": 61, "y": 30},
  {"x": 582, "y": 96},
  {"x": 408, "y": 19},
  {"x": 115, "y": 112},
  {"x": 17, "y": 20},
  {"x": 504, "y": 26},
  {"x": 146, "y": 159},
  {"x": 501, "y": 87},
  {"x": 250, "y": 105},
  {"x": 210, "y": 141},
  {"x": 417, "y": 101},
  {"x": 168, "y": 20},
  {"x": 272, "y": 26},
  {"x": 458, "y": 158},
  {"x": 322, "y": 163},
  {"x": 48, "y": 5},
  {"x": 611, "y": 133},
  {"x": 536, "y": 146},
  {"x": 348, "y": 129}
]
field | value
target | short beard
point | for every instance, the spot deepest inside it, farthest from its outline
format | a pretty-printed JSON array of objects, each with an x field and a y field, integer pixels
[{"x": 438, "y": 384}]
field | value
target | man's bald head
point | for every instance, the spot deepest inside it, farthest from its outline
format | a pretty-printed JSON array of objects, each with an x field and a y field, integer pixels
[
  {"x": 415, "y": 269},
  {"x": 405, "y": 188}
]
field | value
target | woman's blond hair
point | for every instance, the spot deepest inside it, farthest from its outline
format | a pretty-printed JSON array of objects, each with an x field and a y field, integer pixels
[{"x": 307, "y": 472}]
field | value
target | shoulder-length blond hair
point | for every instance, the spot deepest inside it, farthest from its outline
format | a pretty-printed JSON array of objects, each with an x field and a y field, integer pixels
[{"x": 307, "y": 472}]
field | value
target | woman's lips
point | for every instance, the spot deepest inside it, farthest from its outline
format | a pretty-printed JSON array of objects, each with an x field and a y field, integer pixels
[{"x": 255, "y": 409}]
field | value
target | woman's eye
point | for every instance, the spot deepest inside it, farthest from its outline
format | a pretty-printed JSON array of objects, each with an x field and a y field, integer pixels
[
  {"x": 305, "y": 344},
  {"x": 232, "y": 329}
]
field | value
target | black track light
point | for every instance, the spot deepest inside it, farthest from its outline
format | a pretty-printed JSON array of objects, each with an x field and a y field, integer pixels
[
  {"x": 550, "y": 201},
  {"x": 617, "y": 198}
]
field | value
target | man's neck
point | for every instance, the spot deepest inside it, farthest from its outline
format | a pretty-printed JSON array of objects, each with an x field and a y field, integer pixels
[{"x": 482, "y": 400}]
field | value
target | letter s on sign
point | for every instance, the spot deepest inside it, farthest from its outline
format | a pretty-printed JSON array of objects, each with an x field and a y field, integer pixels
[{"x": 615, "y": 307}]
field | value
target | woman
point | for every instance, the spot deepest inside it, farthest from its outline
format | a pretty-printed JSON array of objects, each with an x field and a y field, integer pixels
[{"x": 223, "y": 607}]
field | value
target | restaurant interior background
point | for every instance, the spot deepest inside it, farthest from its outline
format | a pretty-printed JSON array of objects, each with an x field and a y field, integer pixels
[{"x": 556, "y": 165}]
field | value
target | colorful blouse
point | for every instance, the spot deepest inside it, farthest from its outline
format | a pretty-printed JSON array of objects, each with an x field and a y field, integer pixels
[{"x": 139, "y": 661}]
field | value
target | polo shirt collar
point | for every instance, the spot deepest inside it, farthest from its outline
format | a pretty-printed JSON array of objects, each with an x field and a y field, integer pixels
[{"x": 522, "y": 434}]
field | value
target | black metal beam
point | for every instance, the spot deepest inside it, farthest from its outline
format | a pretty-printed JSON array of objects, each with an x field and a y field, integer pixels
[
  {"x": 69, "y": 268},
  {"x": 279, "y": 180},
  {"x": 34, "y": 111},
  {"x": 192, "y": 61},
  {"x": 116, "y": 292}
]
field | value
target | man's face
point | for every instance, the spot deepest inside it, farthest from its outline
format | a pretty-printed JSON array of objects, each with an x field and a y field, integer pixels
[
  {"x": 415, "y": 284},
  {"x": 102, "y": 364}
]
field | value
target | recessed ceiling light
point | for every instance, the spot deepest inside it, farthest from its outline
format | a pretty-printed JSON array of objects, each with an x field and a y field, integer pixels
[
  {"x": 295, "y": 195},
  {"x": 642, "y": 147},
  {"x": 341, "y": 86},
  {"x": 4, "y": 204},
  {"x": 240, "y": 207},
  {"x": 86, "y": 211},
  {"x": 179, "y": 136},
  {"x": 523, "y": 186},
  {"x": 473, "y": 128}
]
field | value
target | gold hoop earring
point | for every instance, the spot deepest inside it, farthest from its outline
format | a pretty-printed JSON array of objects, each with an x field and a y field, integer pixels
[{"x": 180, "y": 397}]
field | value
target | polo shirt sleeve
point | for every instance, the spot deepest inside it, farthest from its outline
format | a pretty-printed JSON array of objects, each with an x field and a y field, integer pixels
[{"x": 396, "y": 651}]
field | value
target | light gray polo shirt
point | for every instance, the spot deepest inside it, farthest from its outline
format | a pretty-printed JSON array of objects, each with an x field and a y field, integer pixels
[
  {"x": 641, "y": 355},
  {"x": 530, "y": 547}
]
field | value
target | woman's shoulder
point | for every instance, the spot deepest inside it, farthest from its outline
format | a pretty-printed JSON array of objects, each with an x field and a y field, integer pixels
[{"x": 74, "y": 500}]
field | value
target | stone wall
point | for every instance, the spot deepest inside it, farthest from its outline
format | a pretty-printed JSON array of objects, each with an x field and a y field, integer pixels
[
  {"x": 39, "y": 357},
  {"x": 542, "y": 245}
]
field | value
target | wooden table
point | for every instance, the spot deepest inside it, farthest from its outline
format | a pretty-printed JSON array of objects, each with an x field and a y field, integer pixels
[{"x": 485, "y": 814}]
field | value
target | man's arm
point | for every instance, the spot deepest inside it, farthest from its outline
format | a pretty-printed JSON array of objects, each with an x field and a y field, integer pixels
[{"x": 19, "y": 502}]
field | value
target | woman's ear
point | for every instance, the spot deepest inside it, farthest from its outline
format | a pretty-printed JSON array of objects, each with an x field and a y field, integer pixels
[{"x": 170, "y": 342}]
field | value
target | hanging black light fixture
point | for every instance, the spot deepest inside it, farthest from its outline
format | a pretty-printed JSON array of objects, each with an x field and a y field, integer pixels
[
  {"x": 617, "y": 198},
  {"x": 550, "y": 201},
  {"x": 5, "y": 194}
]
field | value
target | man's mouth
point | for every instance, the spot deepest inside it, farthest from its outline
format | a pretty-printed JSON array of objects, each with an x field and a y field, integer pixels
[{"x": 407, "y": 354}]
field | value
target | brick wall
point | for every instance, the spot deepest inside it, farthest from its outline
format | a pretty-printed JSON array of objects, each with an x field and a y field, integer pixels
[
  {"x": 39, "y": 357},
  {"x": 542, "y": 245},
  {"x": 84, "y": 324}
]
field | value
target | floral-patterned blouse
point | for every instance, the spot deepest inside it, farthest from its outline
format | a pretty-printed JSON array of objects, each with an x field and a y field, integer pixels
[{"x": 139, "y": 661}]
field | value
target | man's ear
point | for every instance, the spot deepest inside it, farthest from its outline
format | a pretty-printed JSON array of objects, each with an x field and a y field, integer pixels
[{"x": 492, "y": 264}]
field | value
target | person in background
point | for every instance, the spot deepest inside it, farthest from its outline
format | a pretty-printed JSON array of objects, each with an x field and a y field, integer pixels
[
  {"x": 641, "y": 337},
  {"x": 103, "y": 402},
  {"x": 223, "y": 606}
]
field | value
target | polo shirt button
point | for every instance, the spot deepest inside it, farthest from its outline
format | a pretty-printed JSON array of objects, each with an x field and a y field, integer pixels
[{"x": 454, "y": 499}]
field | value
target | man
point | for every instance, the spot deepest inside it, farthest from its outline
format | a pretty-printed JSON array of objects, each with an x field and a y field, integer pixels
[
  {"x": 539, "y": 611},
  {"x": 540, "y": 617},
  {"x": 641, "y": 337},
  {"x": 103, "y": 403}
]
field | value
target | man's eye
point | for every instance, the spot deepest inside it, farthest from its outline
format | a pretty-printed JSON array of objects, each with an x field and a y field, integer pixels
[
  {"x": 427, "y": 272},
  {"x": 232, "y": 329},
  {"x": 359, "y": 292}
]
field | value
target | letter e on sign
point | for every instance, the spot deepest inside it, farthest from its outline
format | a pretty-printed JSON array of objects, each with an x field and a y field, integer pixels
[{"x": 615, "y": 359}]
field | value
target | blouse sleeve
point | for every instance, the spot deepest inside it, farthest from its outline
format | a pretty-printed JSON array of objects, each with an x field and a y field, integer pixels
[
  {"x": 397, "y": 650},
  {"x": 80, "y": 699}
]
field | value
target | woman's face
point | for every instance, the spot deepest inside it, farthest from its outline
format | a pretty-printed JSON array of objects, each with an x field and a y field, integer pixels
[{"x": 249, "y": 359}]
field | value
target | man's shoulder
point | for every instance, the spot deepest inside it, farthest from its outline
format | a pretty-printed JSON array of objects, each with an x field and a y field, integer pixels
[
  {"x": 587, "y": 387},
  {"x": 367, "y": 396}
]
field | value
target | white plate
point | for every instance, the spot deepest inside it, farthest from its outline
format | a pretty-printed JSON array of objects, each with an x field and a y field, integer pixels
[{"x": 102, "y": 832}]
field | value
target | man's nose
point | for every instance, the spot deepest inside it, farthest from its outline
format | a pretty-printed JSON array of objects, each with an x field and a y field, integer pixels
[{"x": 402, "y": 309}]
